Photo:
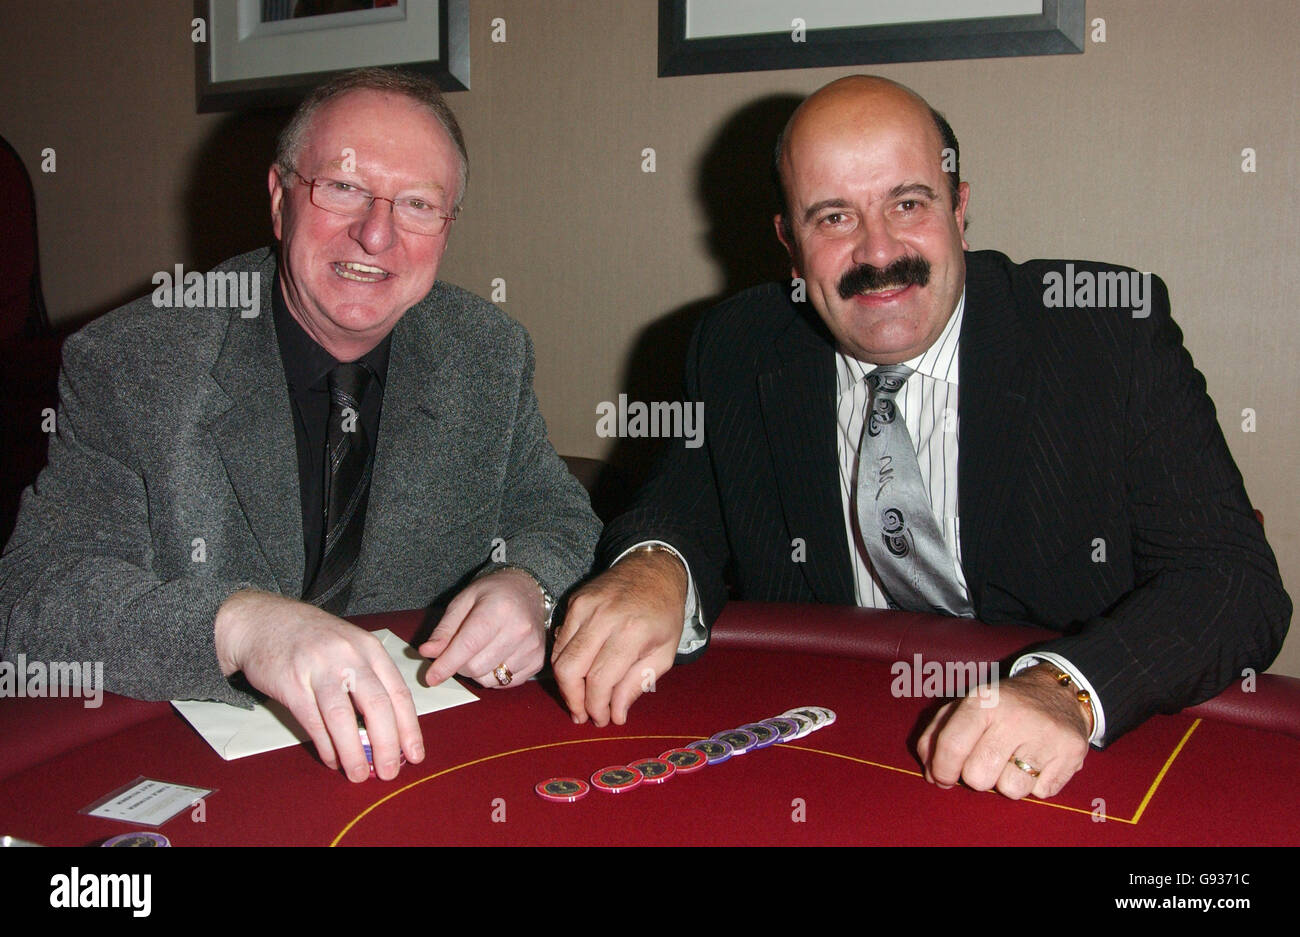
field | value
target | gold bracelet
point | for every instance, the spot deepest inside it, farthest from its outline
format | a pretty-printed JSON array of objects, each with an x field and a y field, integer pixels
[
  {"x": 654, "y": 548},
  {"x": 1083, "y": 696}
]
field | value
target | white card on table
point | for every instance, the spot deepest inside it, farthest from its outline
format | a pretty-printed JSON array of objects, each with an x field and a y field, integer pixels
[
  {"x": 146, "y": 802},
  {"x": 236, "y": 733}
]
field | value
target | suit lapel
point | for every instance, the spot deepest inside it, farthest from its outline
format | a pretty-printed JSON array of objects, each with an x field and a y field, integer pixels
[
  {"x": 996, "y": 381},
  {"x": 255, "y": 438},
  {"x": 797, "y": 396},
  {"x": 414, "y": 413}
]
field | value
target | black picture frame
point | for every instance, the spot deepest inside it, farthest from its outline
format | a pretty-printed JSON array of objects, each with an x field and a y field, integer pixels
[
  {"x": 450, "y": 68},
  {"x": 1058, "y": 30}
]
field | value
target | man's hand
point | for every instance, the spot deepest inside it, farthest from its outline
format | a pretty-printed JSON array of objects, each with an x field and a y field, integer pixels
[
  {"x": 620, "y": 631},
  {"x": 1034, "y": 719},
  {"x": 321, "y": 667},
  {"x": 498, "y": 620}
]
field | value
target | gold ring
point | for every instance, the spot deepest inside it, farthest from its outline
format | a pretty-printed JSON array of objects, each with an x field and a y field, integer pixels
[
  {"x": 503, "y": 674},
  {"x": 1025, "y": 767}
]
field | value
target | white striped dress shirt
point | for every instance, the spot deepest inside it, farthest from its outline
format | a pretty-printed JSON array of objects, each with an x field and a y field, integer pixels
[{"x": 928, "y": 403}]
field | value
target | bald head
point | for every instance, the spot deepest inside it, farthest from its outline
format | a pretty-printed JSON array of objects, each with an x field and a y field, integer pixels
[
  {"x": 858, "y": 103},
  {"x": 874, "y": 216}
]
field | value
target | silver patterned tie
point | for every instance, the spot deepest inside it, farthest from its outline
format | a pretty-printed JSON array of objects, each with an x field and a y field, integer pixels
[{"x": 897, "y": 523}]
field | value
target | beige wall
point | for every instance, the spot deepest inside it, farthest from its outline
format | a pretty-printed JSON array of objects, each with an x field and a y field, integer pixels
[{"x": 1128, "y": 153}]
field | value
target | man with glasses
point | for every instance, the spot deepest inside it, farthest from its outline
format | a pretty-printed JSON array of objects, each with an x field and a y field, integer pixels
[{"x": 223, "y": 486}]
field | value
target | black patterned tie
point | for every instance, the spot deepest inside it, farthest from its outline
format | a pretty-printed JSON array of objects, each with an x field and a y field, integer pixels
[
  {"x": 347, "y": 488},
  {"x": 895, "y": 518}
]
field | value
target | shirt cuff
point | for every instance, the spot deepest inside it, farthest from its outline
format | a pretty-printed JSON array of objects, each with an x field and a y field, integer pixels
[
  {"x": 694, "y": 634},
  {"x": 1098, "y": 714}
]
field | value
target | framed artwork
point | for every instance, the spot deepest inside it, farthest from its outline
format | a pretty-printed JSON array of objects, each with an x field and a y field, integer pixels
[
  {"x": 705, "y": 36},
  {"x": 269, "y": 53}
]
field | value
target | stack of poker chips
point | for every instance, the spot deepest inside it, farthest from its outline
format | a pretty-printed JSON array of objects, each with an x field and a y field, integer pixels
[
  {"x": 618, "y": 779},
  {"x": 138, "y": 839},
  {"x": 370, "y": 754}
]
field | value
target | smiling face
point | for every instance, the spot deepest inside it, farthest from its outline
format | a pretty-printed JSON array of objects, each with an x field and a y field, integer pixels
[
  {"x": 347, "y": 281},
  {"x": 872, "y": 229}
]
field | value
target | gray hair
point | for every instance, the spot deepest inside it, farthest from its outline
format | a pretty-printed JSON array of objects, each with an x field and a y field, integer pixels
[{"x": 419, "y": 88}]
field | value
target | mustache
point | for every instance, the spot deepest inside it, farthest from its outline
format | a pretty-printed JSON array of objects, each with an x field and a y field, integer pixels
[{"x": 905, "y": 271}]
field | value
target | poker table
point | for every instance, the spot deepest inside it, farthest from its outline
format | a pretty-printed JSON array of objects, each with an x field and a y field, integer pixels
[{"x": 1220, "y": 773}]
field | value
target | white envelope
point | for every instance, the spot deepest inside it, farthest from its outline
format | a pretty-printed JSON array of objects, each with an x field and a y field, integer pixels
[{"x": 237, "y": 733}]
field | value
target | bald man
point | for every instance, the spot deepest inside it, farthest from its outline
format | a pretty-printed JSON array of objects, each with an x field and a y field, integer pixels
[{"x": 946, "y": 431}]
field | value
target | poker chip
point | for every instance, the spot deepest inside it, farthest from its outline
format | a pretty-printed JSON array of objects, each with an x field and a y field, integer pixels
[
  {"x": 740, "y": 740},
  {"x": 804, "y": 723},
  {"x": 821, "y": 716},
  {"x": 365, "y": 747},
  {"x": 787, "y": 729},
  {"x": 370, "y": 755},
  {"x": 813, "y": 713},
  {"x": 654, "y": 770},
  {"x": 790, "y": 725},
  {"x": 716, "y": 751},
  {"x": 139, "y": 839},
  {"x": 685, "y": 760},
  {"x": 563, "y": 790},
  {"x": 616, "y": 779},
  {"x": 764, "y": 734}
]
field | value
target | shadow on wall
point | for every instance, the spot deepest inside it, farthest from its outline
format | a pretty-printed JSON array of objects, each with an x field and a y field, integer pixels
[
  {"x": 225, "y": 203},
  {"x": 29, "y": 348},
  {"x": 735, "y": 184},
  {"x": 227, "y": 206}
]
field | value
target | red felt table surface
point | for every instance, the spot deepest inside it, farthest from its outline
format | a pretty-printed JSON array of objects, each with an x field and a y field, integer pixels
[{"x": 1176, "y": 780}]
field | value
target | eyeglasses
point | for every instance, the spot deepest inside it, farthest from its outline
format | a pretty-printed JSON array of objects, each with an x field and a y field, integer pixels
[{"x": 412, "y": 214}]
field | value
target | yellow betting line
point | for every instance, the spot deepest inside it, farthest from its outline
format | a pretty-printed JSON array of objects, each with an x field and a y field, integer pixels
[
  {"x": 1142, "y": 806},
  {"x": 1165, "y": 768},
  {"x": 1151, "y": 791},
  {"x": 477, "y": 761},
  {"x": 861, "y": 761},
  {"x": 918, "y": 774}
]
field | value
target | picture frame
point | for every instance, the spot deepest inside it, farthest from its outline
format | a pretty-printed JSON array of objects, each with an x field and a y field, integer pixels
[
  {"x": 702, "y": 37},
  {"x": 248, "y": 61}
]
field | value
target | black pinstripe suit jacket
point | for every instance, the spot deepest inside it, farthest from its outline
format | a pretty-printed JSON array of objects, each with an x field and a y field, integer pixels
[{"x": 1076, "y": 426}]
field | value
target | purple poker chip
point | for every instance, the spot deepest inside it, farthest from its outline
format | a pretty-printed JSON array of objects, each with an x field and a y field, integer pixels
[
  {"x": 370, "y": 753},
  {"x": 139, "y": 839},
  {"x": 716, "y": 751},
  {"x": 740, "y": 740},
  {"x": 787, "y": 729},
  {"x": 763, "y": 733}
]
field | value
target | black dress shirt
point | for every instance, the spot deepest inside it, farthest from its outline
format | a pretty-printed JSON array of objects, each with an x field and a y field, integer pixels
[{"x": 307, "y": 367}]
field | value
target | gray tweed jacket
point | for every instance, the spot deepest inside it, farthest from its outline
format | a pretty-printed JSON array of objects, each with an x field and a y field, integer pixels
[{"x": 173, "y": 482}]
